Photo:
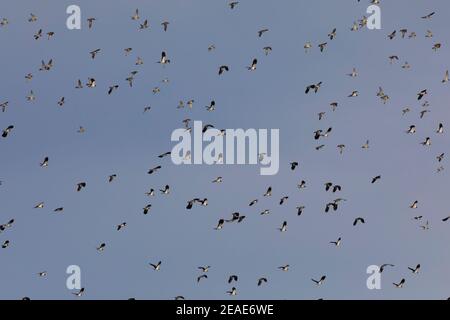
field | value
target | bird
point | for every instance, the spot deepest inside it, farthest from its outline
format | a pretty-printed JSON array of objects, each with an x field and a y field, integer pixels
[
  {"x": 80, "y": 186},
  {"x": 320, "y": 281},
  {"x": 40, "y": 205},
  {"x": 165, "y": 154},
  {"x": 112, "y": 88},
  {"x": 91, "y": 83},
  {"x": 365, "y": 145},
  {"x": 400, "y": 284},
  {"x": 337, "y": 243},
  {"x": 414, "y": 205},
  {"x": 267, "y": 50},
  {"x": 153, "y": 170},
  {"x": 79, "y": 293},
  {"x": 375, "y": 179},
  {"x": 135, "y": 16},
  {"x": 204, "y": 269},
  {"x": 121, "y": 226},
  {"x": 411, "y": 129},
  {"x": 446, "y": 77},
  {"x": 314, "y": 87},
  {"x": 101, "y": 247},
  {"x": 300, "y": 210},
  {"x": 166, "y": 189},
  {"x": 218, "y": 180},
  {"x": 427, "y": 142},
  {"x": 358, "y": 220},
  {"x": 4, "y": 105},
  {"x": 157, "y": 266},
  {"x": 268, "y": 192},
  {"x": 223, "y": 68},
  {"x": 94, "y": 53},
  {"x": 262, "y": 31},
  {"x": 203, "y": 276},
  {"x": 165, "y": 25},
  {"x": 429, "y": 16},
  {"x": 5, "y": 244},
  {"x": 232, "y": 292},
  {"x": 144, "y": 25},
  {"x": 7, "y": 131},
  {"x": 147, "y": 208},
  {"x": 91, "y": 22},
  {"x": 415, "y": 270},
  {"x": 261, "y": 281},
  {"x": 284, "y": 268},
  {"x": 383, "y": 266},
  {"x": 252, "y": 67},
  {"x": 332, "y": 34},
  {"x": 322, "y": 46},
  {"x": 232, "y": 278},
  {"x": 283, "y": 227},
  {"x": 164, "y": 60},
  {"x": 61, "y": 101},
  {"x": 220, "y": 224},
  {"x": 233, "y": 4},
  {"x": 44, "y": 163},
  {"x": 421, "y": 94},
  {"x": 32, "y": 18}
]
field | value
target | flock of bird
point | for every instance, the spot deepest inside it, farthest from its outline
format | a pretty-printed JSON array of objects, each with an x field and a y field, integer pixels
[{"x": 237, "y": 217}]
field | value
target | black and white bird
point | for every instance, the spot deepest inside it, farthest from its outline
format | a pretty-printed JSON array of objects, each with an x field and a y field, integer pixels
[
  {"x": 101, "y": 247},
  {"x": 421, "y": 94},
  {"x": 165, "y": 25},
  {"x": 232, "y": 278},
  {"x": 358, "y": 220},
  {"x": 164, "y": 60},
  {"x": 79, "y": 293},
  {"x": 252, "y": 67},
  {"x": 233, "y": 4},
  {"x": 283, "y": 227},
  {"x": 223, "y": 68},
  {"x": 314, "y": 87},
  {"x": 204, "y": 269},
  {"x": 400, "y": 284},
  {"x": 375, "y": 179},
  {"x": 261, "y": 281},
  {"x": 7, "y": 131},
  {"x": 232, "y": 292},
  {"x": 427, "y": 142},
  {"x": 415, "y": 270},
  {"x": 80, "y": 186},
  {"x": 262, "y": 31},
  {"x": 383, "y": 266},
  {"x": 147, "y": 208},
  {"x": 284, "y": 268},
  {"x": 44, "y": 163},
  {"x": 153, "y": 170},
  {"x": 121, "y": 226},
  {"x": 220, "y": 224},
  {"x": 320, "y": 281},
  {"x": 166, "y": 189},
  {"x": 337, "y": 243},
  {"x": 157, "y": 266},
  {"x": 268, "y": 192}
]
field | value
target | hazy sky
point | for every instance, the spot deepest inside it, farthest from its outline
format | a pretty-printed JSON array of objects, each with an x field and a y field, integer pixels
[{"x": 120, "y": 139}]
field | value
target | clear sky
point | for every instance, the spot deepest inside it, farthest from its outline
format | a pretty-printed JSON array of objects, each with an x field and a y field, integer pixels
[{"x": 120, "y": 139}]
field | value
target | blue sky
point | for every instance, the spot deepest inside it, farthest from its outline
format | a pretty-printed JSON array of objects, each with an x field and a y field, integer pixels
[{"x": 120, "y": 139}]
